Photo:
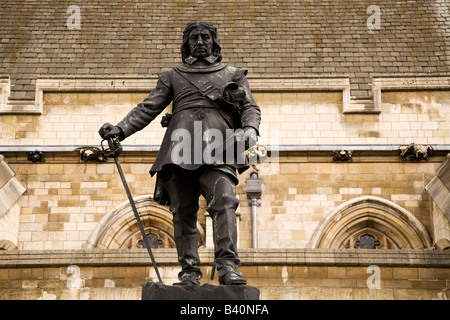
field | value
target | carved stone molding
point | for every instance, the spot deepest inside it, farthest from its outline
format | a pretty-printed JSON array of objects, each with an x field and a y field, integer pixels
[
  {"x": 10, "y": 191},
  {"x": 406, "y": 83},
  {"x": 36, "y": 156},
  {"x": 13, "y": 106},
  {"x": 249, "y": 257},
  {"x": 415, "y": 152},
  {"x": 342, "y": 155},
  {"x": 390, "y": 224},
  {"x": 91, "y": 154},
  {"x": 119, "y": 229},
  {"x": 147, "y": 84},
  {"x": 439, "y": 190}
]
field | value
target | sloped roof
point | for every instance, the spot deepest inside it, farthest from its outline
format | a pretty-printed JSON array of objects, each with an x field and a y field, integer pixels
[{"x": 270, "y": 38}]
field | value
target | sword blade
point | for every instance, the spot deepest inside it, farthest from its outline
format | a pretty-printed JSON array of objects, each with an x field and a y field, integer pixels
[{"x": 138, "y": 219}]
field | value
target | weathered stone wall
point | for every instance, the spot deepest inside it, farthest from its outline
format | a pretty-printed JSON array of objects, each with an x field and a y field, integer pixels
[
  {"x": 304, "y": 193},
  {"x": 66, "y": 198},
  {"x": 289, "y": 118},
  {"x": 279, "y": 274},
  {"x": 322, "y": 84},
  {"x": 10, "y": 191}
]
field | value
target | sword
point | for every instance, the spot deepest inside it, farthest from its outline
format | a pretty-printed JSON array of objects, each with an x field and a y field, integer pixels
[{"x": 114, "y": 150}]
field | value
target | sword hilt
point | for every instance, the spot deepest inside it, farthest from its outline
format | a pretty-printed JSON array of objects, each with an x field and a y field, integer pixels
[{"x": 114, "y": 147}]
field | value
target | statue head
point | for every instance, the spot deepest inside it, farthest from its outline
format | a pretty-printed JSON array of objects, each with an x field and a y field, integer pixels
[{"x": 194, "y": 31}]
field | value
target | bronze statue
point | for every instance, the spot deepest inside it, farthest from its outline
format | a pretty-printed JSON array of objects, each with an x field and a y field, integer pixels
[{"x": 212, "y": 100}]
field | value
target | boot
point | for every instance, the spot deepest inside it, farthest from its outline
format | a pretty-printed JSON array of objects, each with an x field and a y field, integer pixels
[
  {"x": 228, "y": 275},
  {"x": 189, "y": 279}
]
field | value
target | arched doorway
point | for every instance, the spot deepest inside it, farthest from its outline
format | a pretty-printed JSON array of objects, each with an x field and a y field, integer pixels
[
  {"x": 371, "y": 223},
  {"x": 119, "y": 228}
]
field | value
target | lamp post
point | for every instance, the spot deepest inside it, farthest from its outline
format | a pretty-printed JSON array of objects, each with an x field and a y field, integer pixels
[{"x": 253, "y": 187}]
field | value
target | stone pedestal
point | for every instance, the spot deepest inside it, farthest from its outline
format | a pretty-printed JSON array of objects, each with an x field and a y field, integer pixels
[{"x": 158, "y": 291}]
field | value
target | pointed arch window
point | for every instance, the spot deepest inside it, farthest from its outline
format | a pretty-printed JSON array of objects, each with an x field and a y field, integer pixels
[
  {"x": 367, "y": 241},
  {"x": 119, "y": 228},
  {"x": 370, "y": 223}
]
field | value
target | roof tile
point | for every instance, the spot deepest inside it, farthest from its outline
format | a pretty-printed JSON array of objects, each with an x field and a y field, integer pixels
[{"x": 275, "y": 38}]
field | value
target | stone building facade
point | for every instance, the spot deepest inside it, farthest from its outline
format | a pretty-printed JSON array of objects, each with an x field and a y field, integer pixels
[{"x": 355, "y": 102}]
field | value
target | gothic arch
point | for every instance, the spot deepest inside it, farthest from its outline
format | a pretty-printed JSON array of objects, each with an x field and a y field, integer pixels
[
  {"x": 388, "y": 223},
  {"x": 119, "y": 228}
]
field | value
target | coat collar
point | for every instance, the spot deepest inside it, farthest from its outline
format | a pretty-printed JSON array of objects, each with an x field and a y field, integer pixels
[
  {"x": 191, "y": 60},
  {"x": 191, "y": 67}
]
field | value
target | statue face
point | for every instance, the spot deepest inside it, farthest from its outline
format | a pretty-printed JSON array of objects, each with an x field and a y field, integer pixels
[{"x": 200, "y": 42}]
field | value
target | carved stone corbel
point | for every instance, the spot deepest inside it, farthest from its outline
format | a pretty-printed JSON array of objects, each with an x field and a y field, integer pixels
[
  {"x": 415, "y": 152},
  {"x": 342, "y": 155},
  {"x": 36, "y": 156},
  {"x": 91, "y": 154}
]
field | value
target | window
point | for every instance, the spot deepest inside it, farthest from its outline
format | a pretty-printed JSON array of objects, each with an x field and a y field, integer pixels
[{"x": 370, "y": 223}]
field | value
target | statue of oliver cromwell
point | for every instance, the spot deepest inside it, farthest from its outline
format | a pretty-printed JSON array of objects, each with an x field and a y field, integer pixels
[{"x": 210, "y": 100}]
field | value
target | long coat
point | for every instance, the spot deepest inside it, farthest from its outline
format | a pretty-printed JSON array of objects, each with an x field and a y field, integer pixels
[{"x": 197, "y": 108}]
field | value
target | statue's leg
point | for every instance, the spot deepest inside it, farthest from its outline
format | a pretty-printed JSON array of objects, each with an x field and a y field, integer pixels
[
  {"x": 184, "y": 194},
  {"x": 219, "y": 190}
]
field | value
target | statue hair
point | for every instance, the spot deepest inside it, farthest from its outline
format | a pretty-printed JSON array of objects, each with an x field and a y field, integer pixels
[{"x": 186, "y": 51}]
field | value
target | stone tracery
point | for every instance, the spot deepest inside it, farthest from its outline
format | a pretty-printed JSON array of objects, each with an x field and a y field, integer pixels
[
  {"x": 388, "y": 223},
  {"x": 119, "y": 230}
]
